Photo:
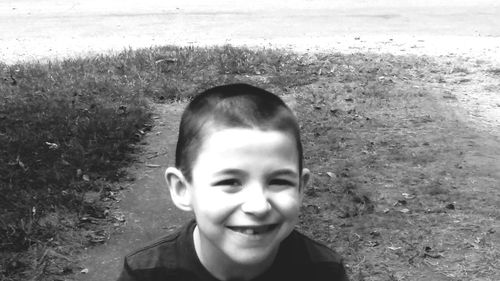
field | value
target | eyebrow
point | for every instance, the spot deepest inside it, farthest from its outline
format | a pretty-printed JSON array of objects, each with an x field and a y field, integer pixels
[
  {"x": 285, "y": 172},
  {"x": 281, "y": 172},
  {"x": 230, "y": 172}
]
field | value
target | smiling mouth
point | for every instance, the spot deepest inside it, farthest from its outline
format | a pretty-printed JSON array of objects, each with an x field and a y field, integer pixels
[{"x": 254, "y": 230}]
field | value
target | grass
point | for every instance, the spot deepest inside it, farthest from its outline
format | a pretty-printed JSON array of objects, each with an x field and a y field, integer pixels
[
  {"x": 394, "y": 175},
  {"x": 392, "y": 166},
  {"x": 68, "y": 128}
]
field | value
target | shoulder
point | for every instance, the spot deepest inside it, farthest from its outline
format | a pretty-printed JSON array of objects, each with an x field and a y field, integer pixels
[
  {"x": 312, "y": 258},
  {"x": 312, "y": 251},
  {"x": 162, "y": 252}
]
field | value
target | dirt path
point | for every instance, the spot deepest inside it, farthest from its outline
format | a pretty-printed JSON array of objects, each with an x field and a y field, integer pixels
[{"x": 145, "y": 203}]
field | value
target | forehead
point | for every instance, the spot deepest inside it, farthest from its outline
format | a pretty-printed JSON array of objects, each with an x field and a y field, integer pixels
[{"x": 231, "y": 140}]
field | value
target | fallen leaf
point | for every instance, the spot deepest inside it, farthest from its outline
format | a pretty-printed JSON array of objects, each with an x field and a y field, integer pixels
[
  {"x": 119, "y": 217},
  {"x": 407, "y": 195},
  {"x": 400, "y": 203},
  {"x": 84, "y": 271},
  {"x": 97, "y": 238},
  {"x": 52, "y": 145}
]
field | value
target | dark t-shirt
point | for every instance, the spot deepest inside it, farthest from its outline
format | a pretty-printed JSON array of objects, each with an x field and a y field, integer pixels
[{"x": 173, "y": 257}]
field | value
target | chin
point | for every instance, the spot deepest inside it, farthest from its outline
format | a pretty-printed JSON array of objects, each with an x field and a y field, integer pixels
[{"x": 252, "y": 258}]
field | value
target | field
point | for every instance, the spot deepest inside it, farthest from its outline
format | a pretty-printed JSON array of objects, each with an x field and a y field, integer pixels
[{"x": 405, "y": 184}]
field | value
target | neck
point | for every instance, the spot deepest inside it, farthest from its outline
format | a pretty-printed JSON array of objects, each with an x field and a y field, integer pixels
[{"x": 221, "y": 266}]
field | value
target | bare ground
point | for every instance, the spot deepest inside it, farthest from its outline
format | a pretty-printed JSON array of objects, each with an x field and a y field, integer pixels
[{"x": 145, "y": 205}]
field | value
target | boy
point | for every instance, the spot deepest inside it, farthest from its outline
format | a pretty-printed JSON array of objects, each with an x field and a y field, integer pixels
[{"x": 239, "y": 169}]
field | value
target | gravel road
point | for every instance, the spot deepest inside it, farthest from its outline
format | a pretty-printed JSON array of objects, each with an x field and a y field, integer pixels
[{"x": 48, "y": 29}]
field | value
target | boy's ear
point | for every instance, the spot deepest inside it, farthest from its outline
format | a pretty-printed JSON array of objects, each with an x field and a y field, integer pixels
[
  {"x": 304, "y": 179},
  {"x": 179, "y": 188}
]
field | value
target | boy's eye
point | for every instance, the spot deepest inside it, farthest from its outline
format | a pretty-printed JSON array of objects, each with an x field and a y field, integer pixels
[
  {"x": 282, "y": 182},
  {"x": 227, "y": 182},
  {"x": 228, "y": 185}
]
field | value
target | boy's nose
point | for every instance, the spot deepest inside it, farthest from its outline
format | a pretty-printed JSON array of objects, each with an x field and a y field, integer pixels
[{"x": 256, "y": 203}]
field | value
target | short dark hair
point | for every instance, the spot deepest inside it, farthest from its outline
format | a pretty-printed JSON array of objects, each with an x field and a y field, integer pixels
[{"x": 231, "y": 106}]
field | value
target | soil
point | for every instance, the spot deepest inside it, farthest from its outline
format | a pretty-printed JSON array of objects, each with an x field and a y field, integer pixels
[
  {"x": 145, "y": 204},
  {"x": 39, "y": 30}
]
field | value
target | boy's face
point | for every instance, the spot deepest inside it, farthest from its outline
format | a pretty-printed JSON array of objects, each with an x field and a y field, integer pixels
[{"x": 246, "y": 194}]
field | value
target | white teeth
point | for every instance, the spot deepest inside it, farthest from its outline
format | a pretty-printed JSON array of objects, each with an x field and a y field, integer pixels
[
  {"x": 249, "y": 231},
  {"x": 253, "y": 230}
]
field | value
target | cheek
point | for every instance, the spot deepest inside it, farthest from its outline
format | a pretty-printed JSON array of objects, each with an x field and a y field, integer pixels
[
  {"x": 287, "y": 203},
  {"x": 213, "y": 204}
]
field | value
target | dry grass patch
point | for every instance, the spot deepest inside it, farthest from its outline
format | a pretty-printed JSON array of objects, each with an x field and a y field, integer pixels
[{"x": 402, "y": 187}]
